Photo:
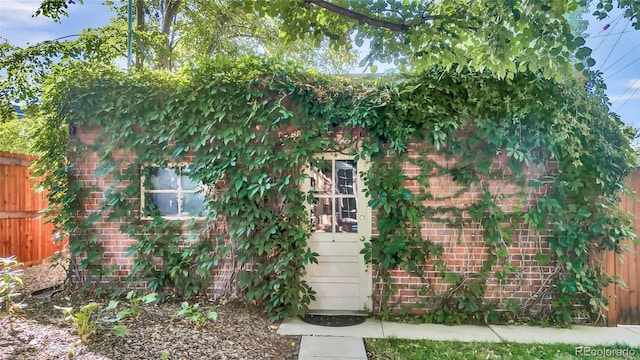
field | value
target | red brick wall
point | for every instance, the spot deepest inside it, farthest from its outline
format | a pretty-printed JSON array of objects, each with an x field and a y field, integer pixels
[
  {"x": 114, "y": 242},
  {"x": 464, "y": 250}
]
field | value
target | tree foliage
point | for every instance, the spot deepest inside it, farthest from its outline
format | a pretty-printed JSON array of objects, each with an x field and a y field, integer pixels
[
  {"x": 216, "y": 28},
  {"x": 576, "y": 20},
  {"x": 25, "y": 69},
  {"x": 16, "y": 135},
  {"x": 504, "y": 36},
  {"x": 54, "y": 9},
  {"x": 195, "y": 30},
  {"x": 168, "y": 34}
]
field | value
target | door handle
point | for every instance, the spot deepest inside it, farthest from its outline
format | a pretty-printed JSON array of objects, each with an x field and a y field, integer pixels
[{"x": 362, "y": 238}]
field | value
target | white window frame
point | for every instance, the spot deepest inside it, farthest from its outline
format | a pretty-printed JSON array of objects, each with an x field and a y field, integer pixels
[{"x": 178, "y": 191}]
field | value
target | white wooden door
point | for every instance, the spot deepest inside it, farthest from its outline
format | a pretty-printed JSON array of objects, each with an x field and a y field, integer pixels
[{"x": 341, "y": 224}]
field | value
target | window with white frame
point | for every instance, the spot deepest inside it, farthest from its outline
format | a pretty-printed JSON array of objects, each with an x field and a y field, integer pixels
[{"x": 170, "y": 192}]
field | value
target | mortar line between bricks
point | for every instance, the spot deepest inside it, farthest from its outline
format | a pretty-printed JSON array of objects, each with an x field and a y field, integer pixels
[{"x": 493, "y": 331}]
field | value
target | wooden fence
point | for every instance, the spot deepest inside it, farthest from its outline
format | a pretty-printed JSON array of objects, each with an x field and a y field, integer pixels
[
  {"x": 23, "y": 231},
  {"x": 624, "y": 302}
]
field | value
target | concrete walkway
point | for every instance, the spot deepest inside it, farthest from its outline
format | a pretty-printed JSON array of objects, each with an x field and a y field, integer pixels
[{"x": 321, "y": 342}]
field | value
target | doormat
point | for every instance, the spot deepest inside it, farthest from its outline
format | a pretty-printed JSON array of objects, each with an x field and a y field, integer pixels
[{"x": 334, "y": 320}]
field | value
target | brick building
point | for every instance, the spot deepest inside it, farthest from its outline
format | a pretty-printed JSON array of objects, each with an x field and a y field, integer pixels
[{"x": 343, "y": 222}]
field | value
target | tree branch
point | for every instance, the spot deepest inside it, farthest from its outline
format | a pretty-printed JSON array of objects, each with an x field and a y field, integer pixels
[{"x": 360, "y": 17}]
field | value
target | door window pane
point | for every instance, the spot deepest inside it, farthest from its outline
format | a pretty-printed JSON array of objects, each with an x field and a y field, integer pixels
[
  {"x": 321, "y": 218},
  {"x": 321, "y": 178},
  {"x": 346, "y": 215},
  {"x": 345, "y": 176},
  {"x": 335, "y": 206}
]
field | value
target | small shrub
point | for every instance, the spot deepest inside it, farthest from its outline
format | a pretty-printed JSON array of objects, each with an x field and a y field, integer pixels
[
  {"x": 195, "y": 314},
  {"x": 135, "y": 306},
  {"x": 136, "y": 302},
  {"x": 10, "y": 283},
  {"x": 82, "y": 319},
  {"x": 86, "y": 322}
]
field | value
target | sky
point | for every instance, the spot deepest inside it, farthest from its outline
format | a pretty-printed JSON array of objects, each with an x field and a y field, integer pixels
[
  {"x": 19, "y": 27},
  {"x": 616, "y": 49}
]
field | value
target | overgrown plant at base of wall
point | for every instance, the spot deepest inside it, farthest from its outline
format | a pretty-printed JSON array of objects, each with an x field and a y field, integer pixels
[{"x": 248, "y": 128}]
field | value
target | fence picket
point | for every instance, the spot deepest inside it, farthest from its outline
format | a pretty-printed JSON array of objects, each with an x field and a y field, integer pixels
[{"x": 22, "y": 230}]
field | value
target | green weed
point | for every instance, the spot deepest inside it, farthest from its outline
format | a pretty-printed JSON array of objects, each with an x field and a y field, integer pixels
[
  {"x": 10, "y": 283},
  {"x": 195, "y": 314}
]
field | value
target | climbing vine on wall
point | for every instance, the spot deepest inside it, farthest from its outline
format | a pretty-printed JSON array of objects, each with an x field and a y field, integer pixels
[
  {"x": 555, "y": 141},
  {"x": 248, "y": 128}
]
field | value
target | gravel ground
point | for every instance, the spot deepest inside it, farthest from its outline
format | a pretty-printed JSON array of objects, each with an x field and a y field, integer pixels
[
  {"x": 43, "y": 276},
  {"x": 241, "y": 331}
]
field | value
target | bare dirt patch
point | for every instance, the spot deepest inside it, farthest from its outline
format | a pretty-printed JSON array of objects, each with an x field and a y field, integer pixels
[{"x": 241, "y": 331}]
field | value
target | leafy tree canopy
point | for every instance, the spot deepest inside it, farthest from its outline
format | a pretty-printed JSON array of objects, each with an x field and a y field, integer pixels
[
  {"x": 505, "y": 36},
  {"x": 168, "y": 34},
  {"x": 16, "y": 135}
]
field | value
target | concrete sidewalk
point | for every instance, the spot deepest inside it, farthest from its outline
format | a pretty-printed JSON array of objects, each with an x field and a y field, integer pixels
[{"x": 321, "y": 342}]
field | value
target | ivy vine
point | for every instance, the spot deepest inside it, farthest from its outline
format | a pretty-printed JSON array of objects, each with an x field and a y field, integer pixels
[{"x": 249, "y": 127}]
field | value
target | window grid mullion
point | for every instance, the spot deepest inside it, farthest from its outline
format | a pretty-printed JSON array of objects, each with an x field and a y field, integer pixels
[
  {"x": 179, "y": 191},
  {"x": 334, "y": 219}
]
